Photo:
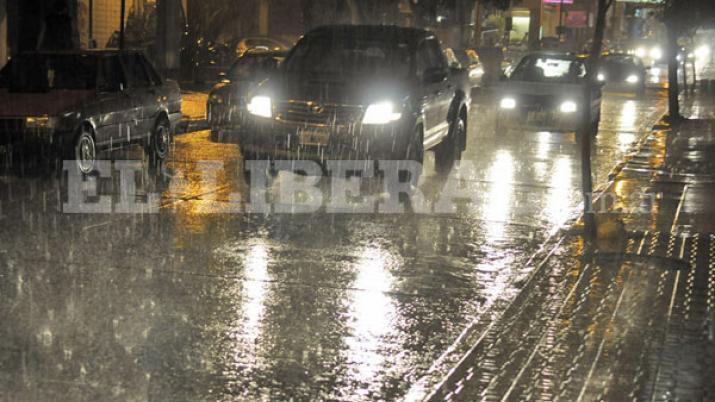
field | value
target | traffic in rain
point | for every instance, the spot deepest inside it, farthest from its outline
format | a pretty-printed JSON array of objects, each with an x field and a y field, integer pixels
[{"x": 357, "y": 200}]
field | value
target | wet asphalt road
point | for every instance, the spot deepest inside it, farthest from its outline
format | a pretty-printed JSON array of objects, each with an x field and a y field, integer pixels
[{"x": 189, "y": 304}]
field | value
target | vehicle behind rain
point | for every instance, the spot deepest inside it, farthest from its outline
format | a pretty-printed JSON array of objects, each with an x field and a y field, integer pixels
[
  {"x": 226, "y": 105},
  {"x": 623, "y": 72},
  {"x": 360, "y": 93},
  {"x": 71, "y": 104},
  {"x": 546, "y": 91}
]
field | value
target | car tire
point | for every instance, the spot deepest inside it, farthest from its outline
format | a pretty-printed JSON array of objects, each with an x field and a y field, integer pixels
[
  {"x": 84, "y": 151},
  {"x": 159, "y": 142},
  {"x": 449, "y": 152}
]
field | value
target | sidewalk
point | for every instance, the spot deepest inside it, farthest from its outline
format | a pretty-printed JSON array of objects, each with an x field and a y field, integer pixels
[
  {"x": 193, "y": 109},
  {"x": 629, "y": 318}
]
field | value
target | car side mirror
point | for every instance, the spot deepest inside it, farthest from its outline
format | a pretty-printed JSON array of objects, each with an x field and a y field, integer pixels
[{"x": 435, "y": 75}]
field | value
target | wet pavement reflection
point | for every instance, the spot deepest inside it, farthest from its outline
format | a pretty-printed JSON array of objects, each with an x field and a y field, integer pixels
[{"x": 194, "y": 303}]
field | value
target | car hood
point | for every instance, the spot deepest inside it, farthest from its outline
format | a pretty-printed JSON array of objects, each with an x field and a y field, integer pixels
[
  {"x": 53, "y": 103},
  {"x": 333, "y": 89},
  {"x": 230, "y": 90}
]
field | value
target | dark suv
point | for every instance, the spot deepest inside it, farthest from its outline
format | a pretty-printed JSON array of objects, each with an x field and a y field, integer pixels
[{"x": 360, "y": 93}]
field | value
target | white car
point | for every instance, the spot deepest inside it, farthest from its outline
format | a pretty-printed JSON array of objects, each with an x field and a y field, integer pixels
[{"x": 547, "y": 91}]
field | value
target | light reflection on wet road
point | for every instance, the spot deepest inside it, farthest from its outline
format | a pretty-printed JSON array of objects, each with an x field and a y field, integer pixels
[{"x": 193, "y": 305}]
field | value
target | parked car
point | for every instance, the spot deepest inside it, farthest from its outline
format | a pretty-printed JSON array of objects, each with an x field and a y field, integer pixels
[
  {"x": 546, "y": 92},
  {"x": 74, "y": 103},
  {"x": 226, "y": 105},
  {"x": 360, "y": 92},
  {"x": 261, "y": 43},
  {"x": 622, "y": 71},
  {"x": 468, "y": 60}
]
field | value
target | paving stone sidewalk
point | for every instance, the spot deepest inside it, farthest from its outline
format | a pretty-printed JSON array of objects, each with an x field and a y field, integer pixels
[{"x": 630, "y": 317}]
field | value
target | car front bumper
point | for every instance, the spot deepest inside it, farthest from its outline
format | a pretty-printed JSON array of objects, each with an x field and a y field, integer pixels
[
  {"x": 540, "y": 120},
  {"x": 277, "y": 139}
]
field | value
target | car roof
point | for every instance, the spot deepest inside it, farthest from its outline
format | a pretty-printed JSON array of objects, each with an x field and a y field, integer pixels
[
  {"x": 374, "y": 31},
  {"x": 553, "y": 53}
]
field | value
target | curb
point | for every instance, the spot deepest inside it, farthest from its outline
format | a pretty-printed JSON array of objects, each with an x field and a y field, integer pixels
[{"x": 191, "y": 126}]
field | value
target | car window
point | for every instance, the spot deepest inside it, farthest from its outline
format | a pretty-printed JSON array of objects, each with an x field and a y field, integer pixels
[
  {"x": 136, "y": 74},
  {"x": 39, "y": 72},
  {"x": 111, "y": 76},
  {"x": 549, "y": 69},
  {"x": 438, "y": 59},
  {"x": 154, "y": 77}
]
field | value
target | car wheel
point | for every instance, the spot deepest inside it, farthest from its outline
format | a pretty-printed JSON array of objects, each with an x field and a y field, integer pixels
[
  {"x": 160, "y": 141},
  {"x": 84, "y": 151},
  {"x": 450, "y": 151}
]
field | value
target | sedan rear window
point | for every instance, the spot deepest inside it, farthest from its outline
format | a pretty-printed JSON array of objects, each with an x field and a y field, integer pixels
[
  {"x": 549, "y": 69},
  {"x": 38, "y": 73}
]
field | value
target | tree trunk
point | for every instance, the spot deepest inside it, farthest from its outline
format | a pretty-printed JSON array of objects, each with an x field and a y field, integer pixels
[{"x": 673, "y": 88}]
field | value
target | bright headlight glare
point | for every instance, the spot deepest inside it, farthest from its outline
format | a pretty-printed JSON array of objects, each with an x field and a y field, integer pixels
[
  {"x": 702, "y": 51},
  {"x": 601, "y": 77},
  {"x": 568, "y": 107},
  {"x": 656, "y": 53},
  {"x": 507, "y": 103},
  {"x": 640, "y": 52},
  {"x": 632, "y": 79},
  {"x": 260, "y": 106},
  {"x": 381, "y": 113}
]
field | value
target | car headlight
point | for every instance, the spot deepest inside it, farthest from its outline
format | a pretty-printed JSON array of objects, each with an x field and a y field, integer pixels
[
  {"x": 40, "y": 122},
  {"x": 568, "y": 107},
  {"x": 601, "y": 77},
  {"x": 381, "y": 113},
  {"x": 702, "y": 52},
  {"x": 507, "y": 103},
  {"x": 641, "y": 52},
  {"x": 260, "y": 106},
  {"x": 656, "y": 53},
  {"x": 632, "y": 79}
]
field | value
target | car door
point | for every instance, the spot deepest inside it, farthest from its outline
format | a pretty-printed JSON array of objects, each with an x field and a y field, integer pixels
[
  {"x": 446, "y": 91},
  {"x": 115, "y": 104},
  {"x": 428, "y": 90},
  {"x": 140, "y": 92}
]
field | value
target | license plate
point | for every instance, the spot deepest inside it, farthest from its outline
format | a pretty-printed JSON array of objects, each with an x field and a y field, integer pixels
[
  {"x": 537, "y": 117},
  {"x": 311, "y": 136}
]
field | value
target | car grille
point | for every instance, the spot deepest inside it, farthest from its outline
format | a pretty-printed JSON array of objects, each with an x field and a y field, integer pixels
[
  {"x": 537, "y": 102},
  {"x": 315, "y": 113}
]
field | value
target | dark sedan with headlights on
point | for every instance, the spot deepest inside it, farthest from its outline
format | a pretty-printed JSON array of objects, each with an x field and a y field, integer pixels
[
  {"x": 73, "y": 103},
  {"x": 226, "y": 105},
  {"x": 368, "y": 93},
  {"x": 622, "y": 72},
  {"x": 548, "y": 91}
]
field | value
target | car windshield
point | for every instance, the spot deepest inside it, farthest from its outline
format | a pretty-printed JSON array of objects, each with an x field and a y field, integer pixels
[
  {"x": 38, "y": 73},
  {"x": 343, "y": 54},
  {"x": 250, "y": 65},
  {"x": 549, "y": 69},
  {"x": 619, "y": 61}
]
